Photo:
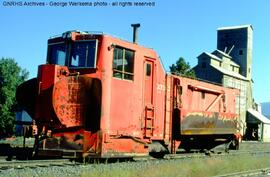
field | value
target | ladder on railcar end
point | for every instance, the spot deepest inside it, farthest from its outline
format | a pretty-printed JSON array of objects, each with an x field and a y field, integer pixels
[{"x": 149, "y": 121}]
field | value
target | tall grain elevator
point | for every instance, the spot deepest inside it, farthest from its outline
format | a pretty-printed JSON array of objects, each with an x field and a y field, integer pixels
[{"x": 237, "y": 41}]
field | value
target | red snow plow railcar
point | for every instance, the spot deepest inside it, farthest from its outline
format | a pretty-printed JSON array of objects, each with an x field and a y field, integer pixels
[{"x": 102, "y": 97}]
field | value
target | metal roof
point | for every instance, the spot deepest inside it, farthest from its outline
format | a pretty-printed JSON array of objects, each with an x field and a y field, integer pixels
[
  {"x": 235, "y": 27},
  {"x": 228, "y": 56},
  {"x": 219, "y": 59},
  {"x": 78, "y": 31},
  {"x": 212, "y": 56},
  {"x": 234, "y": 64},
  {"x": 230, "y": 73},
  {"x": 259, "y": 116},
  {"x": 222, "y": 53}
]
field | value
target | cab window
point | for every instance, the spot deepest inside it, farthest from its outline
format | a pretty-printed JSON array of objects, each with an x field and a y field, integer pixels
[
  {"x": 74, "y": 54},
  {"x": 83, "y": 54},
  {"x": 57, "y": 53},
  {"x": 123, "y": 63}
]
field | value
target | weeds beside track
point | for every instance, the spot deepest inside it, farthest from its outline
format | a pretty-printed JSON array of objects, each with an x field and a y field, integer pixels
[{"x": 183, "y": 164}]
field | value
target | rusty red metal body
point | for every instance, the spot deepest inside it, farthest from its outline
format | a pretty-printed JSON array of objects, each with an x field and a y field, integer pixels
[
  {"x": 122, "y": 102},
  {"x": 201, "y": 114}
]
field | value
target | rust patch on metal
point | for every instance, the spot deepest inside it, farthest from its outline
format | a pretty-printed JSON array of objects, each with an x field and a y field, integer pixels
[
  {"x": 199, "y": 123},
  {"x": 77, "y": 102},
  {"x": 70, "y": 100}
]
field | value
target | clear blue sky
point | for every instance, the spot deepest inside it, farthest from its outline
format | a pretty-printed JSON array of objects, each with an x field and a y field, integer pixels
[{"x": 173, "y": 28}]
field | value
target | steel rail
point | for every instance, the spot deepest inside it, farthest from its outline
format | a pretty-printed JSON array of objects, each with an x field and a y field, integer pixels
[
  {"x": 18, "y": 164},
  {"x": 262, "y": 171}
]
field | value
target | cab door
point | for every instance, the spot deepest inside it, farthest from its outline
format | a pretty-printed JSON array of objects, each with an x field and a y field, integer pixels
[{"x": 149, "y": 106}]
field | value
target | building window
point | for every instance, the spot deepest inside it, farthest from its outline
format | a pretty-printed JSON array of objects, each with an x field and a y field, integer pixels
[
  {"x": 240, "y": 52},
  {"x": 123, "y": 63}
]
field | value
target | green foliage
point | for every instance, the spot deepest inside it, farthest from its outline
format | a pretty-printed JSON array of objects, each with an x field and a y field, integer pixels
[
  {"x": 181, "y": 67},
  {"x": 11, "y": 75}
]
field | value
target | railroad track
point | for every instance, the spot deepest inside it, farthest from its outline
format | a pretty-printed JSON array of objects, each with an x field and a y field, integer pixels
[
  {"x": 17, "y": 164},
  {"x": 22, "y": 164},
  {"x": 258, "y": 172},
  {"x": 203, "y": 155}
]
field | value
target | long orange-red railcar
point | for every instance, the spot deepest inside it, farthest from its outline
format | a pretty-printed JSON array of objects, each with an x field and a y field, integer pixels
[{"x": 101, "y": 97}]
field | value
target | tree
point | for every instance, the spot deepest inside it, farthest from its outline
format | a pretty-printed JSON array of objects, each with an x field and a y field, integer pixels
[
  {"x": 181, "y": 67},
  {"x": 11, "y": 75}
]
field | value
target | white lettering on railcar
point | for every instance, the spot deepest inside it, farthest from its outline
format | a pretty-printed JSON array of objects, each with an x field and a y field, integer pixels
[{"x": 160, "y": 87}]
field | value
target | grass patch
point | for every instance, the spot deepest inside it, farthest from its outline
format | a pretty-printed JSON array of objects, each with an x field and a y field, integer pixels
[
  {"x": 163, "y": 168},
  {"x": 187, "y": 168}
]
